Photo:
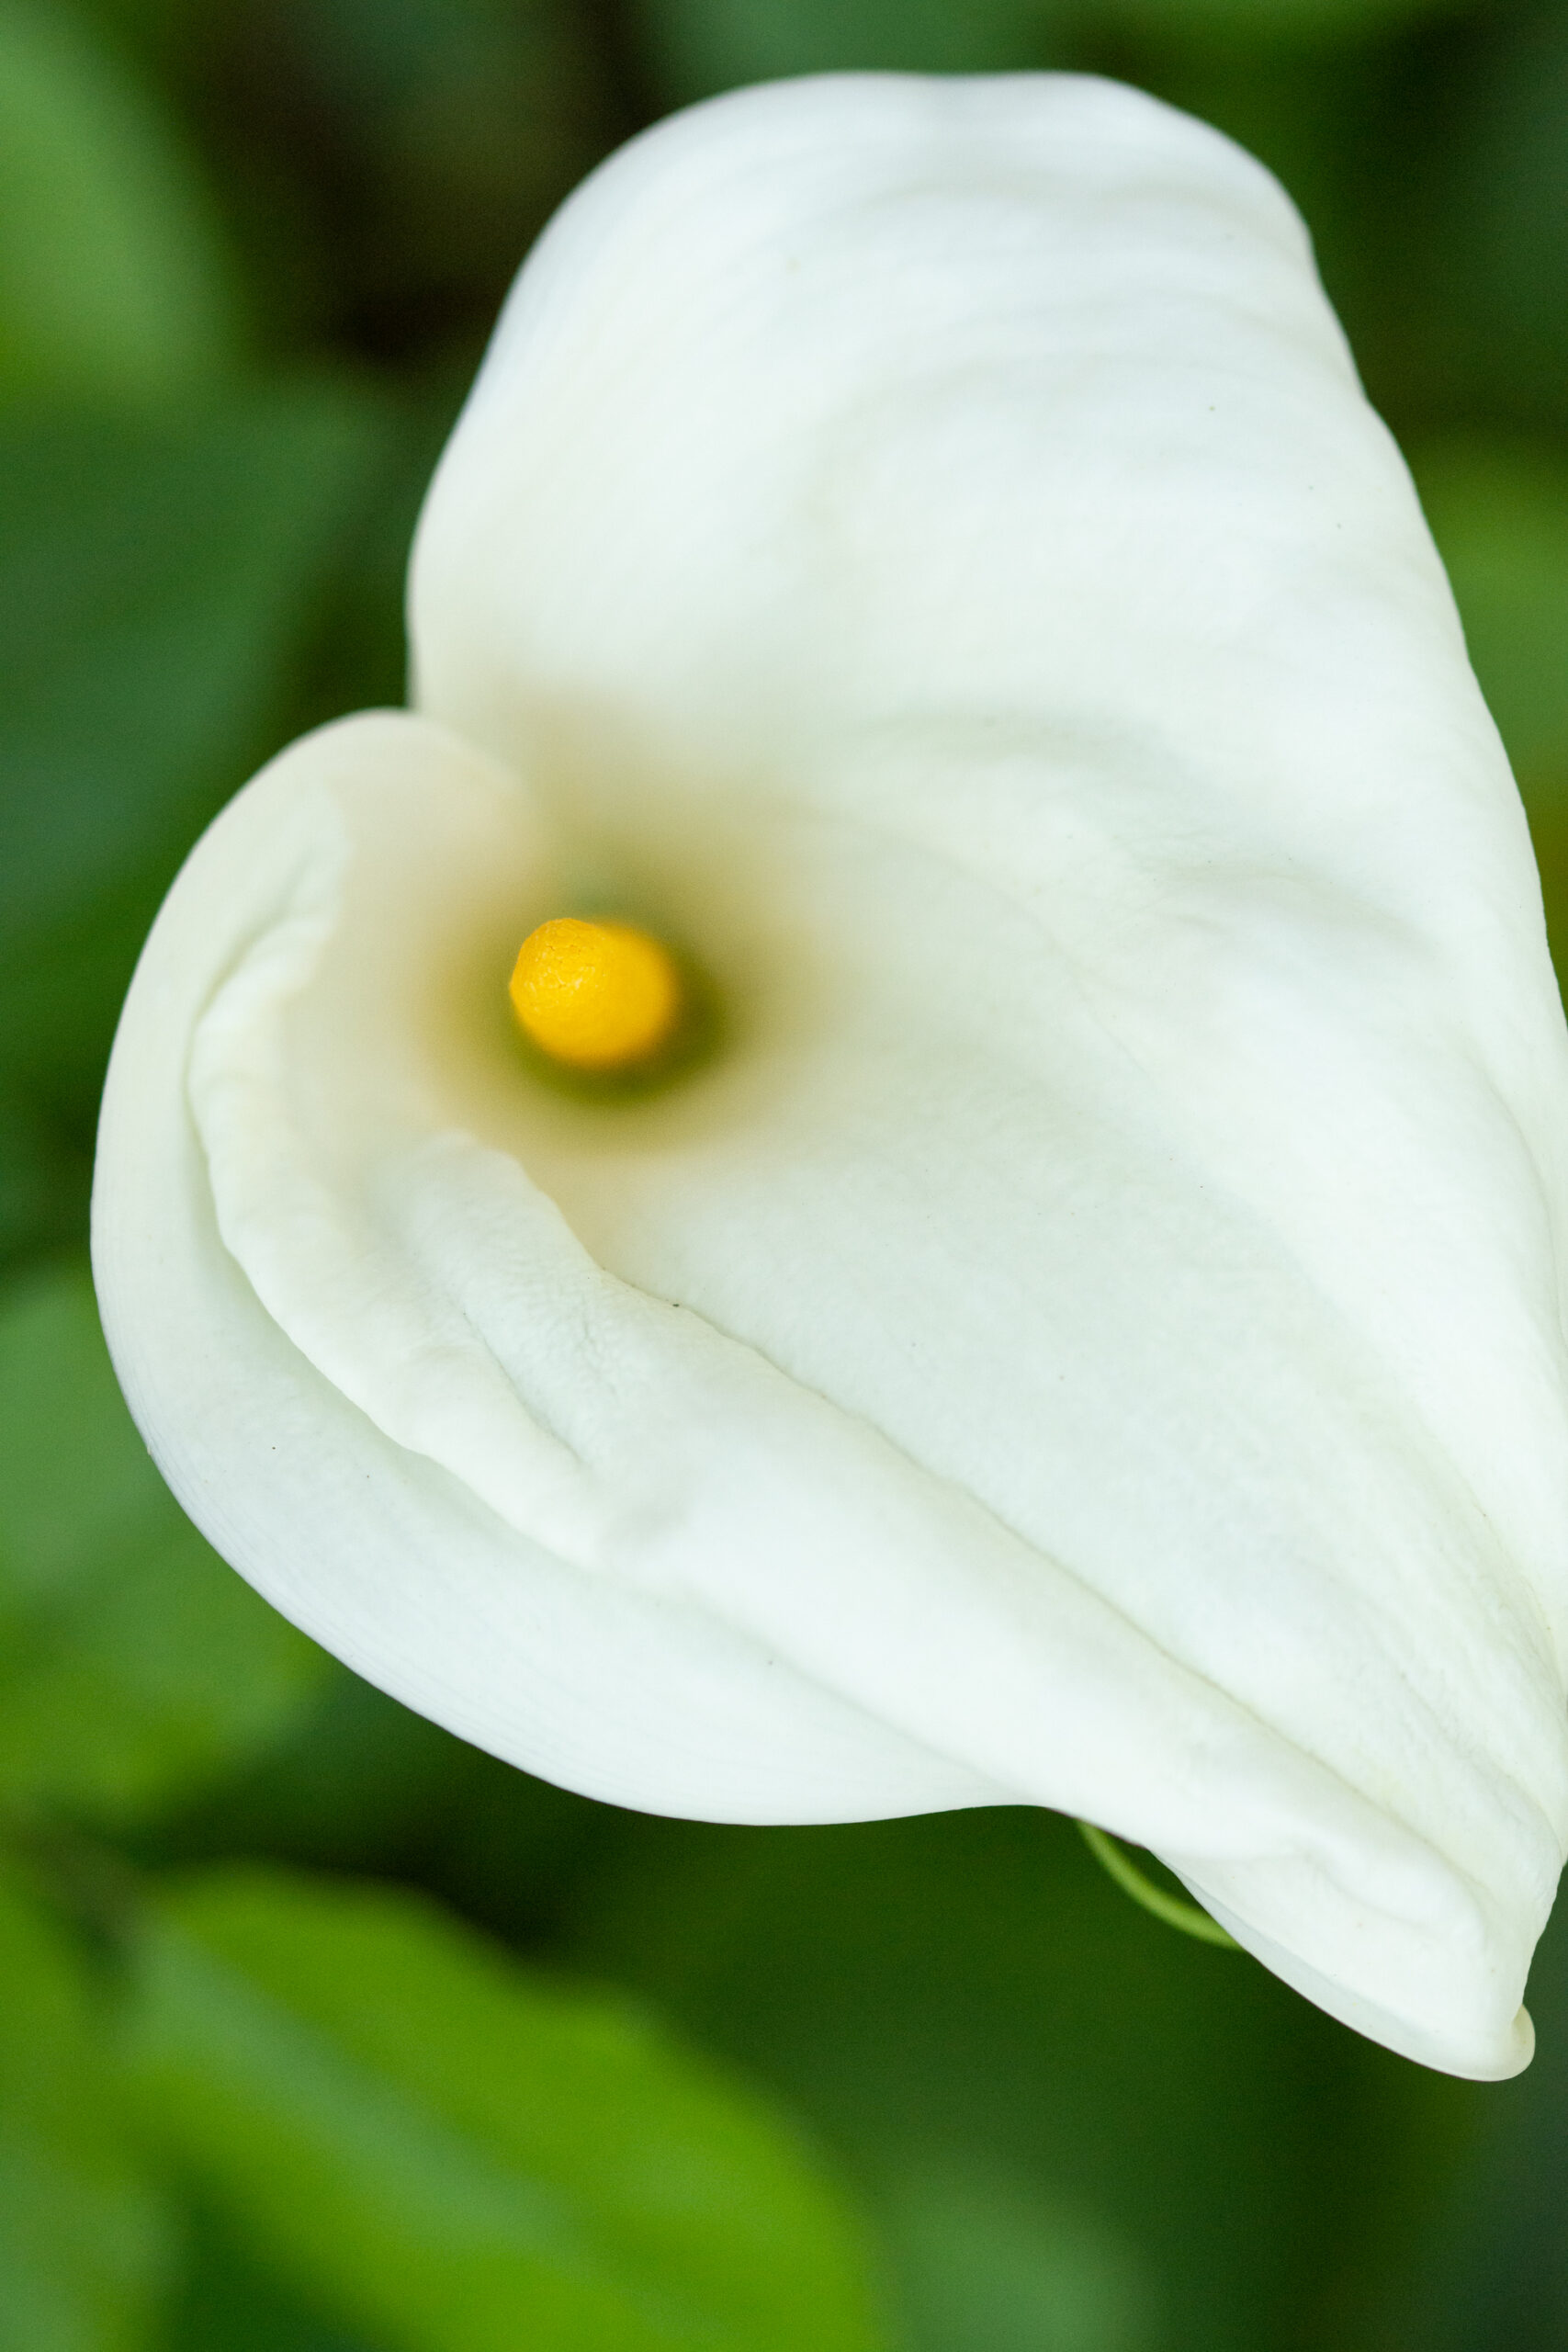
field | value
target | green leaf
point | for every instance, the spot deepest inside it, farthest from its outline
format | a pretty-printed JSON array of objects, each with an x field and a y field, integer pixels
[
  {"x": 85, "y": 2244},
  {"x": 971, "y": 1980},
  {"x": 1497, "y": 220},
  {"x": 448, "y": 130},
  {"x": 43, "y": 1185},
  {"x": 1485, "y": 2266},
  {"x": 157, "y": 585},
  {"x": 1266, "y": 22},
  {"x": 133, "y": 1664},
  {"x": 229, "y": 2304},
  {"x": 114, "y": 282},
  {"x": 153, "y": 580},
  {"x": 990, "y": 2265},
  {"x": 701, "y": 46},
  {"x": 1498, "y": 510},
  {"x": 456, "y": 2156}
]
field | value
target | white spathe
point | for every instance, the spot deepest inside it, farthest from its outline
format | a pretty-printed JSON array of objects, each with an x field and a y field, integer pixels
[{"x": 1092, "y": 1334}]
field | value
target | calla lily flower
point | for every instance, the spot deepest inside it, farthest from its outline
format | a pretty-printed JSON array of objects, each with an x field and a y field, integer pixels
[{"x": 1085, "y": 1329}]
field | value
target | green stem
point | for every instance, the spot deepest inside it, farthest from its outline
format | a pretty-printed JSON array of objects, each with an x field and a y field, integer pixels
[{"x": 1186, "y": 1917}]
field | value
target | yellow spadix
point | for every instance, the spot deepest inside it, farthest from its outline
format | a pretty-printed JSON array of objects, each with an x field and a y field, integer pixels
[{"x": 597, "y": 996}]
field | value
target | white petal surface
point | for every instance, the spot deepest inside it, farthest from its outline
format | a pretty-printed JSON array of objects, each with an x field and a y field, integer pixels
[
  {"x": 385, "y": 851},
  {"x": 1092, "y": 1335}
]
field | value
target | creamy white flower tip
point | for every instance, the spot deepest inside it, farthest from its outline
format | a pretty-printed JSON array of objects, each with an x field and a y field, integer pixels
[{"x": 1088, "y": 1334}]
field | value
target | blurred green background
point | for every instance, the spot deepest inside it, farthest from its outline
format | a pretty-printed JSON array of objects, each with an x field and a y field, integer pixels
[{"x": 320, "y": 2032}]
